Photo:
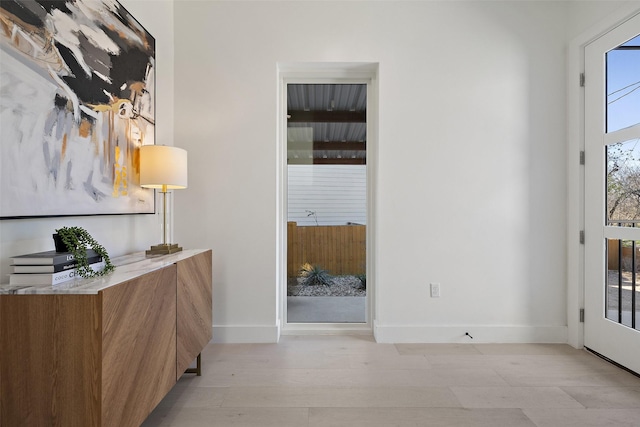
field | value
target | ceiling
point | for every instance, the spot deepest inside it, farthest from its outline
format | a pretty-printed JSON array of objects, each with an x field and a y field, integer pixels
[{"x": 327, "y": 123}]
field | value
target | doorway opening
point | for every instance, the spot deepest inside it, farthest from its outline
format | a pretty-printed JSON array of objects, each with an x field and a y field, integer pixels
[
  {"x": 326, "y": 203},
  {"x": 327, "y": 194}
]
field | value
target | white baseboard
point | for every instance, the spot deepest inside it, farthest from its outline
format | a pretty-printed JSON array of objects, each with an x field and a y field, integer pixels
[
  {"x": 240, "y": 334},
  {"x": 480, "y": 334},
  {"x": 405, "y": 334}
]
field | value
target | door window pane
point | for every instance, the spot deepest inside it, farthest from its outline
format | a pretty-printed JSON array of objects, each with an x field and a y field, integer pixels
[
  {"x": 623, "y": 183},
  {"x": 622, "y": 282},
  {"x": 623, "y": 85}
]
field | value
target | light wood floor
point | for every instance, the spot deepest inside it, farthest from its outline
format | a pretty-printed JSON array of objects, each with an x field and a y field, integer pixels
[{"x": 318, "y": 381}]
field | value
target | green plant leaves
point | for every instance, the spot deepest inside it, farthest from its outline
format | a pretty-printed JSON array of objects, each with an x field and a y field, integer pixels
[
  {"x": 313, "y": 275},
  {"x": 78, "y": 240}
]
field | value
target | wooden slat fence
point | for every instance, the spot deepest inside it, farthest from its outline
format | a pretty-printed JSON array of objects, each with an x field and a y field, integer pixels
[
  {"x": 613, "y": 255},
  {"x": 339, "y": 249}
]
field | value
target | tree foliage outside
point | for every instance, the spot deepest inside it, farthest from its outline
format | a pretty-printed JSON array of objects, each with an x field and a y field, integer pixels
[{"x": 623, "y": 183}]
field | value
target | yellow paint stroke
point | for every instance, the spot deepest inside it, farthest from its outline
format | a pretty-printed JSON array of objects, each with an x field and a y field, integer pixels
[
  {"x": 138, "y": 87},
  {"x": 135, "y": 160},
  {"x": 63, "y": 150},
  {"x": 101, "y": 108},
  {"x": 120, "y": 173},
  {"x": 5, "y": 26},
  {"x": 123, "y": 175},
  {"x": 113, "y": 106},
  {"x": 85, "y": 128},
  {"x": 117, "y": 175}
]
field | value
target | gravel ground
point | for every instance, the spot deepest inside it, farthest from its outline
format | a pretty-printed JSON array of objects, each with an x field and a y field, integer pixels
[{"x": 342, "y": 286}]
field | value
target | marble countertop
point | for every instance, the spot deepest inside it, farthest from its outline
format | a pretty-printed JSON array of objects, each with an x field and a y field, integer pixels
[{"x": 127, "y": 267}]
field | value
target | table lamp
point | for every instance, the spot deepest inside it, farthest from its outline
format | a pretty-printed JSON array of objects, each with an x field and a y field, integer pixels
[{"x": 165, "y": 168}]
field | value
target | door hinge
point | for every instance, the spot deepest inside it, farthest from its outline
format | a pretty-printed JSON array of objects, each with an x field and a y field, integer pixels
[
  {"x": 582, "y": 80},
  {"x": 582, "y": 315},
  {"x": 582, "y": 237},
  {"x": 582, "y": 158}
]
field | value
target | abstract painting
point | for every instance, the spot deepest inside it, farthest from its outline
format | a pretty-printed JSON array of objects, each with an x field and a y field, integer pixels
[{"x": 77, "y": 82}]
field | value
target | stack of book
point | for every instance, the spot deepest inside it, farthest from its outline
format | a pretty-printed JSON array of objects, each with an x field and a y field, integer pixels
[{"x": 49, "y": 268}]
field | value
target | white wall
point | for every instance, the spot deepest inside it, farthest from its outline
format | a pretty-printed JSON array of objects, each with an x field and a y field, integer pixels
[
  {"x": 118, "y": 234},
  {"x": 336, "y": 194},
  {"x": 471, "y": 177},
  {"x": 471, "y": 155}
]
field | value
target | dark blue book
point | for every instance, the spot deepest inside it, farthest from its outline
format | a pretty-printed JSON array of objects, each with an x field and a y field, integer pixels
[{"x": 48, "y": 258}]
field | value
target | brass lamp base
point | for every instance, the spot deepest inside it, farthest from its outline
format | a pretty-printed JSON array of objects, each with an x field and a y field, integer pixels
[{"x": 164, "y": 249}]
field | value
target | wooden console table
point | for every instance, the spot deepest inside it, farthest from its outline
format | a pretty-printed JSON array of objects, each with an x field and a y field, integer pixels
[{"x": 103, "y": 352}]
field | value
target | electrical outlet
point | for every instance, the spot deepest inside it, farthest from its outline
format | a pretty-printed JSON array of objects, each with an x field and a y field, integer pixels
[{"x": 435, "y": 290}]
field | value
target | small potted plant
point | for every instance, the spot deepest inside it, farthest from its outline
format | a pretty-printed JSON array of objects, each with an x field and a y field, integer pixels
[{"x": 76, "y": 240}]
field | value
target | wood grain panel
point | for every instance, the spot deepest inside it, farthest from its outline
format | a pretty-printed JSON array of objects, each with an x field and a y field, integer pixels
[
  {"x": 50, "y": 350},
  {"x": 139, "y": 339},
  {"x": 195, "y": 319},
  {"x": 340, "y": 249}
]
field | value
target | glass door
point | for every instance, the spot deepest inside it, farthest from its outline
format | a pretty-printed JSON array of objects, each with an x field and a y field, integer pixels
[
  {"x": 326, "y": 203},
  {"x": 612, "y": 195}
]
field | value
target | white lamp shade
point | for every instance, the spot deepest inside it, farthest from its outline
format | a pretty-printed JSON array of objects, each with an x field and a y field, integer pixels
[{"x": 161, "y": 165}]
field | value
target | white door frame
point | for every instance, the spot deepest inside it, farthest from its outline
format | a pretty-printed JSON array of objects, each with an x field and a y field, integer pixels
[
  {"x": 316, "y": 73},
  {"x": 575, "y": 172}
]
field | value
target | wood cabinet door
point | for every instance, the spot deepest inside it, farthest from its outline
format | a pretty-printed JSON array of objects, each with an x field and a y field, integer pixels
[
  {"x": 139, "y": 346},
  {"x": 194, "y": 323},
  {"x": 50, "y": 351}
]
